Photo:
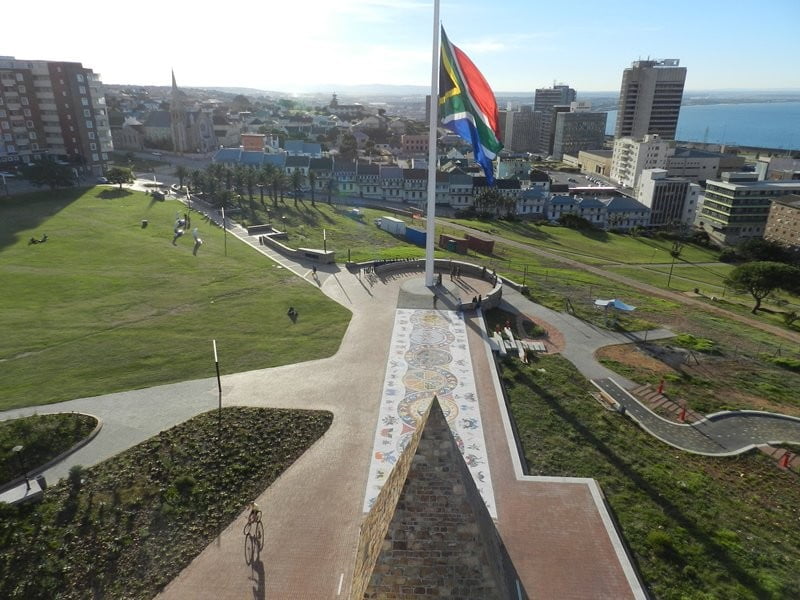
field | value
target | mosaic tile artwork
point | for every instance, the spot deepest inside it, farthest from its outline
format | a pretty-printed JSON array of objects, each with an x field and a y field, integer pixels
[{"x": 429, "y": 354}]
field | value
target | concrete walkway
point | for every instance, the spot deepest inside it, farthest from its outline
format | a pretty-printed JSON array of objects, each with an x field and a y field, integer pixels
[
  {"x": 581, "y": 339},
  {"x": 721, "y": 434}
]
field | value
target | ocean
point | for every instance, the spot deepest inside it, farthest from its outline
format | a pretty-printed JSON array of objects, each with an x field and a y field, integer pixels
[{"x": 763, "y": 124}]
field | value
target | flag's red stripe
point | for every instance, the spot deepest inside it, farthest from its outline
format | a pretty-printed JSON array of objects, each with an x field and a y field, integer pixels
[{"x": 478, "y": 88}]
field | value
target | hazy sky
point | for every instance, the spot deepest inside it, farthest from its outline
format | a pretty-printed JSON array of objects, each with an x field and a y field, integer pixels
[{"x": 519, "y": 45}]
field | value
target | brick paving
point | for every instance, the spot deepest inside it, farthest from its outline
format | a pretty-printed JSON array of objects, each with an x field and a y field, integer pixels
[
  {"x": 313, "y": 512},
  {"x": 553, "y": 530}
]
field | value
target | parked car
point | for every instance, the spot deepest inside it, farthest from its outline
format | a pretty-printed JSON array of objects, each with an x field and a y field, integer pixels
[{"x": 102, "y": 180}]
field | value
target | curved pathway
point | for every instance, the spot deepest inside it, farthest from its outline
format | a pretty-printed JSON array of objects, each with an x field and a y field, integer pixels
[{"x": 721, "y": 434}]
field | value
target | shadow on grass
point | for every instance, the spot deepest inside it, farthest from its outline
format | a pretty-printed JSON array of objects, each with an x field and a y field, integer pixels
[
  {"x": 700, "y": 536},
  {"x": 29, "y": 211},
  {"x": 112, "y": 193}
]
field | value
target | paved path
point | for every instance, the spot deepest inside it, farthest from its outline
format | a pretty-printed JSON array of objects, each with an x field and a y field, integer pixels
[
  {"x": 720, "y": 434},
  {"x": 581, "y": 338}
]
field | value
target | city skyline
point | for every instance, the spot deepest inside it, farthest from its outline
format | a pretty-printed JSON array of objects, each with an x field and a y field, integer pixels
[{"x": 518, "y": 46}]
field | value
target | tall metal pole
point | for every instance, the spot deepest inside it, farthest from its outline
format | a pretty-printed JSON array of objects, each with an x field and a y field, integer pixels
[
  {"x": 219, "y": 382},
  {"x": 434, "y": 117}
]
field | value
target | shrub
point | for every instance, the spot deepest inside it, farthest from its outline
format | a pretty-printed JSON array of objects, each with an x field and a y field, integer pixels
[
  {"x": 185, "y": 485},
  {"x": 75, "y": 477},
  {"x": 687, "y": 340},
  {"x": 791, "y": 364},
  {"x": 660, "y": 541}
]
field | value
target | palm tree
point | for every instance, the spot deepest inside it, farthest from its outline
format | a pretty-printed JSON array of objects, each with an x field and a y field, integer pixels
[
  {"x": 297, "y": 181},
  {"x": 250, "y": 184},
  {"x": 281, "y": 183},
  {"x": 332, "y": 186},
  {"x": 312, "y": 182},
  {"x": 181, "y": 172}
]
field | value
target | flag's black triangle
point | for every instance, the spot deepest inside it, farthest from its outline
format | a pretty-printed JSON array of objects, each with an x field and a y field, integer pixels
[{"x": 429, "y": 533}]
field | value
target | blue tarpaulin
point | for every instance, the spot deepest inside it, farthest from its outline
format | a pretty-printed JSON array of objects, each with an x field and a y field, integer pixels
[{"x": 618, "y": 304}]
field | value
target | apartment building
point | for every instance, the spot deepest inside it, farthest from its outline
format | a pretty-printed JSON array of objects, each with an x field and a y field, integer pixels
[
  {"x": 736, "y": 206},
  {"x": 783, "y": 222},
  {"x": 632, "y": 156},
  {"x": 671, "y": 200},
  {"x": 53, "y": 109}
]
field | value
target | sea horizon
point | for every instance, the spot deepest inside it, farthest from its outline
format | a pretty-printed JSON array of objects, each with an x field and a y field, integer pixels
[{"x": 758, "y": 124}]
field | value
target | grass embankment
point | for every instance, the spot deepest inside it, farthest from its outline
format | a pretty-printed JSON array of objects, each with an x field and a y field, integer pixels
[
  {"x": 127, "y": 527},
  {"x": 701, "y": 528},
  {"x": 107, "y": 305},
  {"x": 42, "y": 437},
  {"x": 593, "y": 246}
]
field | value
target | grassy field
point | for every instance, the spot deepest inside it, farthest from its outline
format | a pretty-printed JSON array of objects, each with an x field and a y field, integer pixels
[
  {"x": 700, "y": 528},
  {"x": 107, "y": 305},
  {"x": 126, "y": 527},
  {"x": 42, "y": 437},
  {"x": 592, "y": 247}
]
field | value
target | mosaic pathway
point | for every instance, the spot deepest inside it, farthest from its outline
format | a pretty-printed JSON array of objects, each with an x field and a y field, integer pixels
[{"x": 429, "y": 354}]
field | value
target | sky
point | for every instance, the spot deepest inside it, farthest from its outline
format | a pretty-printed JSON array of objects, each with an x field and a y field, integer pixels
[{"x": 519, "y": 45}]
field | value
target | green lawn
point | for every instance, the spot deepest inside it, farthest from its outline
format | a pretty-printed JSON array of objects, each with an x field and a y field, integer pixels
[
  {"x": 698, "y": 527},
  {"x": 106, "y": 305}
]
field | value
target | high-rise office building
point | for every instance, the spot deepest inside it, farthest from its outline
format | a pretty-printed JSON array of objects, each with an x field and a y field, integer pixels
[
  {"x": 579, "y": 129},
  {"x": 55, "y": 109},
  {"x": 650, "y": 99},
  {"x": 518, "y": 129},
  {"x": 545, "y": 101}
]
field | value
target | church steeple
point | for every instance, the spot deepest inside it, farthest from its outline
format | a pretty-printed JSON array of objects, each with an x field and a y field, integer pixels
[{"x": 177, "y": 115}]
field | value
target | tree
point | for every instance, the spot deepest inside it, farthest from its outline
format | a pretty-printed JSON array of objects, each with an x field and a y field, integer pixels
[
  {"x": 119, "y": 175},
  {"x": 181, "y": 173},
  {"x": 50, "y": 173},
  {"x": 312, "y": 182},
  {"x": 760, "y": 279},
  {"x": 348, "y": 149},
  {"x": 298, "y": 179},
  {"x": 488, "y": 201},
  {"x": 332, "y": 187}
]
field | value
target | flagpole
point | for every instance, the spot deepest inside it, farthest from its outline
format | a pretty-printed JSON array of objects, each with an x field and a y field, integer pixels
[{"x": 434, "y": 110}]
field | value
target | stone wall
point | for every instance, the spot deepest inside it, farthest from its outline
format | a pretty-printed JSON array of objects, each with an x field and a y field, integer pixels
[
  {"x": 376, "y": 523},
  {"x": 440, "y": 540}
]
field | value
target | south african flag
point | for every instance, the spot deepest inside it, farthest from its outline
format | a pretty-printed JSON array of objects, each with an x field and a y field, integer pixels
[{"x": 467, "y": 105}]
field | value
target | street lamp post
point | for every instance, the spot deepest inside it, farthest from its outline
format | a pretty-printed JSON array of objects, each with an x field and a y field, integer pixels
[{"x": 17, "y": 450}]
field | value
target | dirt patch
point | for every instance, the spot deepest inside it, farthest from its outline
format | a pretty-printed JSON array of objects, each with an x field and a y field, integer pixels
[
  {"x": 630, "y": 355},
  {"x": 706, "y": 383}
]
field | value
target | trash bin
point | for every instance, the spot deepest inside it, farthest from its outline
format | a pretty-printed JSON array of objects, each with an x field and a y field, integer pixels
[
  {"x": 41, "y": 481},
  {"x": 451, "y": 245},
  {"x": 144, "y": 223}
]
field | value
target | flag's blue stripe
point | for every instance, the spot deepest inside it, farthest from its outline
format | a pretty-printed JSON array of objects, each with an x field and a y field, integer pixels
[{"x": 465, "y": 129}]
